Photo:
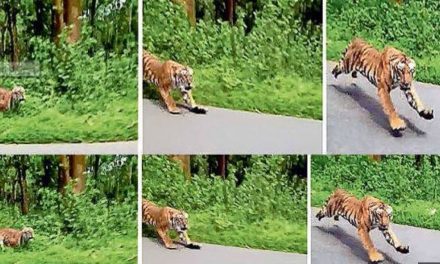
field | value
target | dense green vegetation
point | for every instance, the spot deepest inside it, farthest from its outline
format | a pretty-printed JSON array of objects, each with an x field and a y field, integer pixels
[
  {"x": 411, "y": 27},
  {"x": 410, "y": 184},
  {"x": 267, "y": 60},
  {"x": 77, "y": 90},
  {"x": 95, "y": 225},
  {"x": 261, "y": 203}
]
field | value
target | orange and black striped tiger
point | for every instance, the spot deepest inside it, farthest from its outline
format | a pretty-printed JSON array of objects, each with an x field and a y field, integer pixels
[
  {"x": 386, "y": 70},
  {"x": 366, "y": 215},
  {"x": 11, "y": 99},
  {"x": 170, "y": 75},
  {"x": 14, "y": 238},
  {"x": 164, "y": 219}
]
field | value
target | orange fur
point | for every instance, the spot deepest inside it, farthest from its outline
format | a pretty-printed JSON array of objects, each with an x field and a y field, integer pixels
[
  {"x": 386, "y": 70},
  {"x": 13, "y": 238},
  {"x": 365, "y": 214},
  {"x": 10, "y": 98},
  {"x": 170, "y": 75},
  {"x": 164, "y": 219}
]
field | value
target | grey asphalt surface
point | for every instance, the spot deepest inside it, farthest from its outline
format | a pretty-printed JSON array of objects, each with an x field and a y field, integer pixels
[
  {"x": 129, "y": 147},
  {"x": 356, "y": 123},
  {"x": 155, "y": 253},
  {"x": 338, "y": 242},
  {"x": 223, "y": 131}
]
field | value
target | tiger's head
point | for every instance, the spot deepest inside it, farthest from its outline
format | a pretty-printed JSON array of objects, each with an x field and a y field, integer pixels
[
  {"x": 381, "y": 215},
  {"x": 403, "y": 71},
  {"x": 184, "y": 79},
  {"x": 179, "y": 221},
  {"x": 26, "y": 234},
  {"x": 18, "y": 96}
]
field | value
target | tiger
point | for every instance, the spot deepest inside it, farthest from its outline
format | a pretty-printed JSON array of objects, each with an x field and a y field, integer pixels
[
  {"x": 366, "y": 215},
  {"x": 10, "y": 100},
  {"x": 14, "y": 238},
  {"x": 164, "y": 219},
  {"x": 170, "y": 75},
  {"x": 386, "y": 70}
]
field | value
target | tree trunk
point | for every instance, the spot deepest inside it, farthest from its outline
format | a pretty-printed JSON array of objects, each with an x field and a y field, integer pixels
[
  {"x": 96, "y": 167},
  {"x": 190, "y": 7},
  {"x": 230, "y": 10},
  {"x": 93, "y": 13},
  {"x": 47, "y": 177},
  {"x": 77, "y": 169},
  {"x": 222, "y": 166},
  {"x": 39, "y": 13},
  {"x": 63, "y": 173},
  {"x": 57, "y": 19},
  {"x": 11, "y": 13},
  {"x": 185, "y": 163},
  {"x": 72, "y": 12},
  {"x": 21, "y": 167}
]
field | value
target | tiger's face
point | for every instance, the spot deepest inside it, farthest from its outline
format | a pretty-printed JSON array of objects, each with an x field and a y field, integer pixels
[
  {"x": 184, "y": 79},
  {"x": 382, "y": 214},
  {"x": 18, "y": 94},
  {"x": 179, "y": 221},
  {"x": 405, "y": 69},
  {"x": 26, "y": 234}
]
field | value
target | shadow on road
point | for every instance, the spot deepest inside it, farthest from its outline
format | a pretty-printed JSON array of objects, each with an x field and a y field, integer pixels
[
  {"x": 353, "y": 243},
  {"x": 374, "y": 108}
]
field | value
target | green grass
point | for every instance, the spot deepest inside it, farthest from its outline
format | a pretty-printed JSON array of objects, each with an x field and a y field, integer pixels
[
  {"x": 98, "y": 120},
  {"x": 285, "y": 94},
  {"x": 108, "y": 250}
]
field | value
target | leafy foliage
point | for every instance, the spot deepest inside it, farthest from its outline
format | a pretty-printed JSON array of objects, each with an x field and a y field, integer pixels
[
  {"x": 90, "y": 226},
  {"x": 81, "y": 92},
  {"x": 411, "y": 27},
  {"x": 411, "y": 186},
  {"x": 267, "y": 210},
  {"x": 238, "y": 66}
]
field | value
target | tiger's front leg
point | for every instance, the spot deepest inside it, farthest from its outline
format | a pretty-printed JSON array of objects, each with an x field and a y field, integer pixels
[
  {"x": 373, "y": 254},
  {"x": 168, "y": 100},
  {"x": 391, "y": 238},
  {"x": 184, "y": 238},
  {"x": 415, "y": 102},
  {"x": 395, "y": 121},
  {"x": 191, "y": 103},
  {"x": 168, "y": 242}
]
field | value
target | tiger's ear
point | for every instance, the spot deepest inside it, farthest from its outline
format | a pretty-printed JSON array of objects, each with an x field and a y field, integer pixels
[
  {"x": 185, "y": 214},
  {"x": 412, "y": 64},
  {"x": 388, "y": 209},
  {"x": 190, "y": 71}
]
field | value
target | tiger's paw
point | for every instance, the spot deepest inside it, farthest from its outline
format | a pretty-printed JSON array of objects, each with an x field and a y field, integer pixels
[
  {"x": 193, "y": 246},
  {"x": 172, "y": 246},
  {"x": 199, "y": 110},
  {"x": 397, "y": 124},
  {"x": 336, "y": 72},
  {"x": 174, "y": 111},
  {"x": 427, "y": 114},
  {"x": 403, "y": 249},
  {"x": 319, "y": 215},
  {"x": 376, "y": 257}
]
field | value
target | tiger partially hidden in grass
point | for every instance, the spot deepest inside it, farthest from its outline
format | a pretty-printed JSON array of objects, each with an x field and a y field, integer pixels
[
  {"x": 386, "y": 70},
  {"x": 11, "y": 100},
  {"x": 170, "y": 75},
  {"x": 15, "y": 238},
  {"x": 165, "y": 219},
  {"x": 366, "y": 215}
]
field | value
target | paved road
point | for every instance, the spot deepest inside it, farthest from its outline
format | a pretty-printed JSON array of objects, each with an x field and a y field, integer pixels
[
  {"x": 357, "y": 124},
  {"x": 154, "y": 253},
  {"x": 129, "y": 147},
  {"x": 337, "y": 242},
  {"x": 223, "y": 131}
]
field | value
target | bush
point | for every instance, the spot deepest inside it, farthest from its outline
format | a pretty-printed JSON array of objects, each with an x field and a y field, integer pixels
[
  {"x": 280, "y": 56},
  {"x": 223, "y": 213}
]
